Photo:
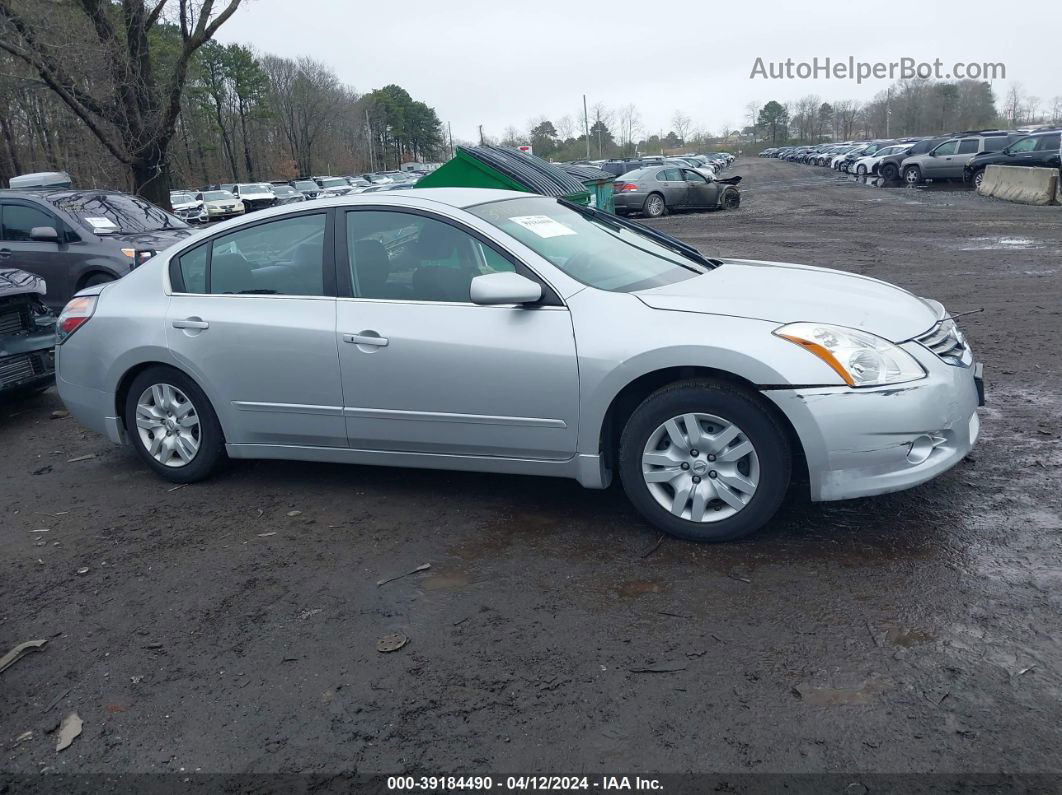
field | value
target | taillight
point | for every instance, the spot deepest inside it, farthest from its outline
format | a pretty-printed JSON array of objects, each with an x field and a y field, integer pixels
[
  {"x": 626, "y": 187},
  {"x": 74, "y": 315}
]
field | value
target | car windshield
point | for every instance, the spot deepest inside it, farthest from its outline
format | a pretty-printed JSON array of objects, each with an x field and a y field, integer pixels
[
  {"x": 218, "y": 196},
  {"x": 117, "y": 213},
  {"x": 595, "y": 251},
  {"x": 181, "y": 198},
  {"x": 255, "y": 187}
]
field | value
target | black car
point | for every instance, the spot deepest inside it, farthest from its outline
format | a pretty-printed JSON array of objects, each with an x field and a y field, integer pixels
[
  {"x": 27, "y": 333},
  {"x": 76, "y": 238},
  {"x": 1040, "y": 150}
]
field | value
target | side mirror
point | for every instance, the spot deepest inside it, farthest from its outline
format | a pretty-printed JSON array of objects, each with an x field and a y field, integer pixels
[
  {"x": 44, "y": 234},
  {"x": 504, "y": 288}
]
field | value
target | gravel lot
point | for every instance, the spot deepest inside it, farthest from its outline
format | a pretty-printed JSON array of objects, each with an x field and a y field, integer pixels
[{"x": 232, "y": 625}]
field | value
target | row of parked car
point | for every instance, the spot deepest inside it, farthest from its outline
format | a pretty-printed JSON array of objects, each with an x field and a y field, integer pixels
[
  {"x": 710, "y": 161},
  {"x": 228, "y": 200},
  {"x": 960, "y": 156}
]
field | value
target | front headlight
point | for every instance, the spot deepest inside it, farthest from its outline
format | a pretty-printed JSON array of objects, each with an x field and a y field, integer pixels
[{"x": 861, "y": 359}]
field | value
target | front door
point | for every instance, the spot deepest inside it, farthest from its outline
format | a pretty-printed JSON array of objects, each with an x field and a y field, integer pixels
[
  {"x": 937, "y": 165},
  {"x": 253, "y": 319},
  {"x": 699, "y": 191},
  {"x": 51, "y": 260},
  {"x": 426, "y": 370}
]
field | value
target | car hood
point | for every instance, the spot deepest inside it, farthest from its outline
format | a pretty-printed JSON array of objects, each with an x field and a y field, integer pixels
[
  {"x": 185, "y": 205},
  {"x": 150, "y": 241},
  {"x": 786, "y": 293},
  {"x": 16, "y": 282}
]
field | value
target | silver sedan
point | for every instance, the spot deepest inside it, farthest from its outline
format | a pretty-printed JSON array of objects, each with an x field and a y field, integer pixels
[{"x": 496, "y": 331}]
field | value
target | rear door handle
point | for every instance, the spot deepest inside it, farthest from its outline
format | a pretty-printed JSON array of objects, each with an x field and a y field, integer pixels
[
  {"x": 191, "y": 322},
  {"x": 366, "y": 339}
]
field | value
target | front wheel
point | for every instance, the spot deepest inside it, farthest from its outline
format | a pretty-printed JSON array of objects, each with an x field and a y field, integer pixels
[
  {"x": 861, "y": 170},
  {"x": 655, "y": 206},
  {"x": 172, "y": 425},
  {"x": 890, "y": 171},
  {"x": 978, "y": 178},
  {"x": 704, "y": 461},
  {"x": 731, "y": 200},
  {"x": 912, "y": 175}
]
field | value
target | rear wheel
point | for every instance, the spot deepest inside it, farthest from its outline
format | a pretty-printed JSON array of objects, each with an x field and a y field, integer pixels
[
  {"x": 172, "y": 425},
  {"x": 704, "y": 461},
  {"x": 890, "y": 171},
  {"x": 654, "y": 205},
  {"x": 912, "y": 175}
]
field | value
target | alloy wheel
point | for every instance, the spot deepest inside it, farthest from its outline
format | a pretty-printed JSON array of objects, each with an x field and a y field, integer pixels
[
  {"x": 168, "y": 425},
  {"x": 655, "y": 206},
  {"x": 700, "y": 467}
]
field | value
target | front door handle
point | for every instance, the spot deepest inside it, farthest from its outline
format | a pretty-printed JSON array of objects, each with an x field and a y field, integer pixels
[
  {"x": 366, "y": 338},
  {"x": 191, "y": 322}
]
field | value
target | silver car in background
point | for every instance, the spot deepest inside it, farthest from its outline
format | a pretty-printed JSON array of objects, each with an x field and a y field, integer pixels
[{"x": 495, "y": 331}]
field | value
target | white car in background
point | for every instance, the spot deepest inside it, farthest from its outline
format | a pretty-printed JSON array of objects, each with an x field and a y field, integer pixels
[
  {"x": 187, "y": 207},
  {"x": 869, "y": 164},
  {"x": 220, "y": 204}
]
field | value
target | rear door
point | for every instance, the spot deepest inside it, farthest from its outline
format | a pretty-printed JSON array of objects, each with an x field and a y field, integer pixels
[
  {"x": 253, "y": 318},
  {"x": 968, "y": 147},
  {"x": 1046, "y": 153},
  {"x": 674, "y": 187}
]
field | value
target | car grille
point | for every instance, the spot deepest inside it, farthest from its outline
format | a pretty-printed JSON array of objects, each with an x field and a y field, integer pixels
[
  {"x": 946, "y": 341},
  {"x": 14, "y": 319},
  {"x": 14, "y": 369}
]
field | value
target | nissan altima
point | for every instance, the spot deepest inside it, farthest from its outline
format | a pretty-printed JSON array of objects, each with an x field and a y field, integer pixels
[{"x": 495, "y": 331}]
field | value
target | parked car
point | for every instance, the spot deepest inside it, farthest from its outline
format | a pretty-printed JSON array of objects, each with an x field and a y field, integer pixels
[
  {"x": 77, "y": 238},
  {"x": 286, "y": 194},
  {"x": 220, "y": 204},
  {"x": 1040, "y": 150},
  {"x": 333, "y": 186},
  {"x": 255, "y": 195},
  {"x": 654, "y": 191},
  {"x": 27, "y": 333},
  {"x": 308, "y": 188},
  {"x": 187, "y": 207},
  {"x": 947, "y": 159},
  {"x": 511, "y": 333},
  {"x": 887, "y": 157},
  {"x": 847, "y": 163}
]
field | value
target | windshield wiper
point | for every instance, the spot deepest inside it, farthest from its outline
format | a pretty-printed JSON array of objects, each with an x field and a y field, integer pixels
[{"x": 667, "y": 241}]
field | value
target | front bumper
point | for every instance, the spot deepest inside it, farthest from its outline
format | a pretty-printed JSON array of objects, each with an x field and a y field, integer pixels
[
  {"x": 27, "y": 361},
  {"x": 862, "y": 442}
]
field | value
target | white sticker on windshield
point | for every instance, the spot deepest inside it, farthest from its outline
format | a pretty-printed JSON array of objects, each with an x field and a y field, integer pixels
[
  {"x": 101, "y": 223},
  {"x": 543, "y": 225}
]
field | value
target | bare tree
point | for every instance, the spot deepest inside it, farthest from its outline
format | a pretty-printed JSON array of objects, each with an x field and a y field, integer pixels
[
  {"x": 630, "y": 125},
  {"x": 565, "y": 127},
  {"x": 131, "y": 105},
  {"x": 681, "y": 124}
]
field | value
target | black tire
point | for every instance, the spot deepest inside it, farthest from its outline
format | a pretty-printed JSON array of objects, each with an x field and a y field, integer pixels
[
  {"x": 977, "y": 178},
  {"x": 731, "y": 404},
  {"x": 890, "y": 171},
  {"x": 861, "y": 170},
  {"x": 97, "y": 278},
  {"x": 912, "y": 175},
  {"x": 731, "y": 199},
  {"x": 654, "y": 206},
  {"x": 211, "y": 441}
]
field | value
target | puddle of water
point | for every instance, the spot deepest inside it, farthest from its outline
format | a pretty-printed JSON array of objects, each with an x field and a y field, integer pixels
[
  {"x": 1002, "y": 244},
  {"x": 907, "y": 637},
  {"x": 447, "y": 581}
]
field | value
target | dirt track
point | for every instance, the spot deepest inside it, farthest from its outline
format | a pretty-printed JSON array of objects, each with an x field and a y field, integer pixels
[{"x": 216, "y": 629}]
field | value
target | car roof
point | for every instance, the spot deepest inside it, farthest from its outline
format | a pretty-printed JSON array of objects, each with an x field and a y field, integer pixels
[{"x": 50, "y": 195}]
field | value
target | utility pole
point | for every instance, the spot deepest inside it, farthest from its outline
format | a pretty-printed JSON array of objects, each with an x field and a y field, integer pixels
[
  {"x": 368, "y": 134},
  {"x": 586, "y": 127},
  {"x": 888, "y": 110},
  {"x": 481, "y": 135},
  {"x": 450, "y": 135}
]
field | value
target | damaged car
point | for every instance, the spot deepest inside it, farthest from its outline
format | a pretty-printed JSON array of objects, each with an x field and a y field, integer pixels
[
  {"x": 655, "y": 191},
  {"x": 504, "y": 332},
  {"x": 27, "y": 334}
]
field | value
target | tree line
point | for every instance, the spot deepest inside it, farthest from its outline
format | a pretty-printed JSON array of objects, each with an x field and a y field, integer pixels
[
  {"x": 138, "y": 95},
  {"x": 907, "y": 108}
]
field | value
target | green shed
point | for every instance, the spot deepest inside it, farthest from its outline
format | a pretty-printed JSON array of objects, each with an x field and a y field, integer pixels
[
  {"x": 508, "y": 169},
  {"x": 599, "y": 182}
]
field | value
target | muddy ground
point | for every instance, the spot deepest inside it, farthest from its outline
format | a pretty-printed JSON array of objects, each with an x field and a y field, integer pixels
[{"x": 232, "y": 625}]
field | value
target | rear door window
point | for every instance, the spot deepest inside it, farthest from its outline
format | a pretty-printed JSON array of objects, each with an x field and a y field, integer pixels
[
  {"x": 968, "y": 146},
  {"x": 1048, "y": 143}
]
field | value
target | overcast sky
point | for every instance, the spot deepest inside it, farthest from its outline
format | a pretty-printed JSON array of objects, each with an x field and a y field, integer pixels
[{"x": 499, "y": 63}]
